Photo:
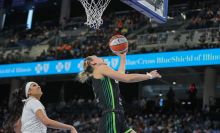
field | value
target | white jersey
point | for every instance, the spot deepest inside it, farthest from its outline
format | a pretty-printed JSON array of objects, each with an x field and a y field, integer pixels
[{"x": 29, "y": 120}]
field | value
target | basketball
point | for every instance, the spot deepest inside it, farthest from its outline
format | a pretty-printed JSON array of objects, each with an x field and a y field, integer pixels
[{"x": 118, "y": 44}]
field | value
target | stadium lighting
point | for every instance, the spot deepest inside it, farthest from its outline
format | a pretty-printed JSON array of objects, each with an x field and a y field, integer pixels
[
  {"x": 3, "y": 21},
  {"x": 160, "y": 94},
  {"x": 161, "y": 102},
  {"x": 29, "y": 20}
]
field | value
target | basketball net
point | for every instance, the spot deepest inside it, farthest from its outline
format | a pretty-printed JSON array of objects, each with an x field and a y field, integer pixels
[{"x": 94, "y": 11}]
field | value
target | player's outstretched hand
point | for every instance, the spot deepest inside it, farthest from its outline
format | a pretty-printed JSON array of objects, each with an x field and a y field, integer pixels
[
  {"x": 121, "y": 54},
  {"x": 155, "y": 74}
]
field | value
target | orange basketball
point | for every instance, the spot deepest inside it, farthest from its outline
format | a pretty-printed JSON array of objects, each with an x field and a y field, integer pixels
[{"x": 118, "y": 44}]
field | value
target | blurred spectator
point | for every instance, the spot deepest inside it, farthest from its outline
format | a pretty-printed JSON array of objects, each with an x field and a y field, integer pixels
[
  {"x": 193, "y": 21},
  {"x": 218, "y": 12},
  {"x": 197, "y": 130},
  {"x": 143, "y": 50},
  {"x": 163, "y": 38},
  {"x": 186, "y": 47},
  {"x": 120, "y": 24},
  {"x": 162, "y": 49},
  {"x": 124, "y": 31},
  {"x": 61, "y": 47},
  {"x": 154, "y": 50},
  {"x": 198, "y": 20},
  {"x": 210, "y": 12},
  {"x": 218, "y": 110},
  {"x": 148, "y": 129},
  {"x": 81, "y": 100},
  {"x": 88, "y": 43},
  {"x": 207, "y": 122},
  {"x": 156, "y": 104},
  {"x": 142, "y": 104},
  {"x": 215, "y": 130},
  {"x": 153, "y": 37},
  {"x": 170, "y": 97},
  {"x": 202, "y": 12},
  {"x": 198, "y": 118},
  {"x": 43, "y": 53},
  {"x": 181, "y": 48},
  {"x": 207, "y": 130},
  {"x": 117, "y": 32},
  {"x": 64, "y": 21},
  {"x": 205, "y": 110},
  {"x": 209, "y": 16},
  {"x": 50, "y": 57},
  {"x": 66, "y": 47},
  {"x": 215, "y": 21},
  {"x": 203, "y": 44},
  {"x": 135, "y": 103}
]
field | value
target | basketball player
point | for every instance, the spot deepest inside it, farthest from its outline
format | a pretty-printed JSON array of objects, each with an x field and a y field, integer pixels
[
  {"x": 107, "y": 93},
  {"x": 27, "y": 114}
]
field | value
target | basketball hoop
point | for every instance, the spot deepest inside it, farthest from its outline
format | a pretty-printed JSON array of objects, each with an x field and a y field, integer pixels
[{"x": 94, "y": 11}]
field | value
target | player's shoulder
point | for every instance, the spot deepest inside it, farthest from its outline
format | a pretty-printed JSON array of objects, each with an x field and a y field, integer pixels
[
  {"x": 101, "y": 70},
  {"x": 33, "y": 102}
]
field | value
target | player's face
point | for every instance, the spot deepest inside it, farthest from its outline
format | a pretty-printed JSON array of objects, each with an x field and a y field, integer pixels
[
  {"x": 98, "y": 61},
  {"x": 35, "y": 90}
]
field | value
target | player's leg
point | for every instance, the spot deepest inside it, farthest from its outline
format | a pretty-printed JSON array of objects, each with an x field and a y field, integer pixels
[
  {"x": 102, "y": 125},
  {"x": 128, "y": 130},
  {"x": 109, "y": 123},
  {"x": 133, "y": 131}
]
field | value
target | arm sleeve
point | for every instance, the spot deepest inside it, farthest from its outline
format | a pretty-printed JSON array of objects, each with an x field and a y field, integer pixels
[{"x": 35, "y": 105}]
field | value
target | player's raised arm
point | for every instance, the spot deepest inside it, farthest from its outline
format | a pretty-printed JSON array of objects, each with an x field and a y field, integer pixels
[
  {"x": 119, "y": 46},
  {"x": 128, "y": 78},
  {"x": 97, "y": 68},
  {"x": 122, "y": 66}
]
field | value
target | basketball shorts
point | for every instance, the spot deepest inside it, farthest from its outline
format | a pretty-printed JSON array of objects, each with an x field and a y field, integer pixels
[{"x": 113, "y": 122}]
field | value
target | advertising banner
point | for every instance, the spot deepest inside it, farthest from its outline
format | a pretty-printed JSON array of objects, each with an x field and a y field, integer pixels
[{"x": 139, "y": 61}]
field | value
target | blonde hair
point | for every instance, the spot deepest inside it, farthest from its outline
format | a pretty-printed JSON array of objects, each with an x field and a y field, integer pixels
[{"x": 83, "y": 76}]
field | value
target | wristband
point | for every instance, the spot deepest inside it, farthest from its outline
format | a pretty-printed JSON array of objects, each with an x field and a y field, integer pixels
[{"x": 151, "y": 77}]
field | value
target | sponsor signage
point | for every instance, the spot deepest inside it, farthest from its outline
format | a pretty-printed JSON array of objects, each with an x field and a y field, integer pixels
[{"x": 139, "y": 61}]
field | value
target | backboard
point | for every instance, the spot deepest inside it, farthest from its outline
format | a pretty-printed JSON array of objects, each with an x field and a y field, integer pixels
[{"x": 154, "y": 9}]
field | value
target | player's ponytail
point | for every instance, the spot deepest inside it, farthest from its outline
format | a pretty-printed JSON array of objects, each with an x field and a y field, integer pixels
[
  {"x": 15, "y": 109},
  {"x": 83, "y": 76}
]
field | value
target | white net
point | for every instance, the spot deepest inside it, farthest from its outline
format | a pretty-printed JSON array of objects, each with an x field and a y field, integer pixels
[{"x": 94, "y": 10}]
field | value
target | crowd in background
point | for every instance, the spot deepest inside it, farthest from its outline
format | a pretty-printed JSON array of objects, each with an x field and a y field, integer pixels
[
  {"x": 143, "y": 117},
  {"x": 95, "y": 42},
  {"x": 176, "y": 121},
  {"x": 24, "y": 37},
  {"x": 208, "y": 16},
  {"x": 77, "y": 50},
  {"x": 204, "y": 4}
]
